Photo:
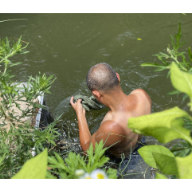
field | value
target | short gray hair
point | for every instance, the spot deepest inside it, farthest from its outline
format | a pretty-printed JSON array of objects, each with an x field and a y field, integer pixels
[{"x": 101, "y": 77}]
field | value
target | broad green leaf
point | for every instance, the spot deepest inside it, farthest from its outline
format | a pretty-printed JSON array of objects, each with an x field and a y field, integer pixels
[
  {"x": 165, "y": 163},
  {"x": 162, "y": 125},
  {"x": 182, "y": 81},
  {"x": 35, "y": 168},
  {"x": 146, "y": 153},
  {"x": 159, "y": 119},
  {"x": 160, "y": 176},
  {"x": 184, "y": 165}
]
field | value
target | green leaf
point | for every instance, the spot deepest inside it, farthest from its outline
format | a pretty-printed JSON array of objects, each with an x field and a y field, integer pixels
[
  {"x": 178, "y": 37},
  {"x": 50, "y": 176},
  {"x": 182, "y": 153},
  {"x": 14, "y": 64},
  {"x": 150, "y": 65},
  {"x": 173, "y": 92},
  {"x": 19, "y": 40},
  {"x": 63, "y": 175},
  {"x": 166, "y": 164},
  {"x": 184, "y": 166},
  {"x": 34, "y": 168},
  {"x": 146, "y": 153},
  {"x": 160, "y": 176},
  {"x": 161, "y": 68},
  {"x": 162, "y": 125},
  {"x": 2, "y": 158},
  {"x": 59, "y": 158},
  {"x": 72, "y": 162},
  {"x": 182, "y": 81},
  {"x": 112, "y": 173},
  {"x": 190, "y": 54}
]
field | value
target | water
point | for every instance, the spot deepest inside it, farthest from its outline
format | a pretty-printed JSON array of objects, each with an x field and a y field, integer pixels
[{"x": 67, "y": 45}]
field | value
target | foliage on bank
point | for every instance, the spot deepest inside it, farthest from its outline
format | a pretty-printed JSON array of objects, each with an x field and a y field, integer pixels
[
  {"x": 170, "y": 124},
  {"x": 72, "y": 167},
  {"x": 20, "y": 140}
]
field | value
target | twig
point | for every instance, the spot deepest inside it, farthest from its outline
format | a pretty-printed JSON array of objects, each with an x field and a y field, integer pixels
[
  {"x": 54, "y": 146},
  {"x": 12, "y": 20},
  {"x": 169, "y": 102},
  {"x": 145, "y": 172},
  {"x": 21, "y": 40}
]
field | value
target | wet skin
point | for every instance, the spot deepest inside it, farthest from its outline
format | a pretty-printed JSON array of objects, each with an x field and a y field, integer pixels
[{"x": 113, "y": 129}]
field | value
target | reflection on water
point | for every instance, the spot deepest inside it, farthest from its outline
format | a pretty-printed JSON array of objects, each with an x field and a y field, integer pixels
[{"x": 67, "y": 45}]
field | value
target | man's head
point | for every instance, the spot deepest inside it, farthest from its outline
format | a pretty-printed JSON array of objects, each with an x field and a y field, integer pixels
[{"x": 101, "y": 77}]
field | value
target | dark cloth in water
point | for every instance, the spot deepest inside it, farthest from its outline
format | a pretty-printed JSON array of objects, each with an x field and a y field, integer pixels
[
  {"x": 88, "y": 102},
  {"x": 127, "y": 163},
  {"x": 46, "y": 117}
]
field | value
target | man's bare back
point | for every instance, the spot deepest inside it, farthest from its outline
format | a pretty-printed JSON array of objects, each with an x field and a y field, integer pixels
[
  {"x": 138, "y": 103},
  {"x": 105, "y": 86}
]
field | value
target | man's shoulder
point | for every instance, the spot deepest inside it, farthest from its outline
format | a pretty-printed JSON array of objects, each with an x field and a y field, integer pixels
[
  {"x": 142, "y": 94},
  {"x": 111, "y": 126},
  {"x": 138, "y": 91}
]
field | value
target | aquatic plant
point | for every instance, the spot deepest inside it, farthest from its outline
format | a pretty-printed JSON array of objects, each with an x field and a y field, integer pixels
[{"x": 170, "y": 124}]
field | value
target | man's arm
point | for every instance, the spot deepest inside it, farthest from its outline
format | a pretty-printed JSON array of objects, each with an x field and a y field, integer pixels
[
  {"x": 109, "y": 131},
  {"x": 84, "y": 133}
]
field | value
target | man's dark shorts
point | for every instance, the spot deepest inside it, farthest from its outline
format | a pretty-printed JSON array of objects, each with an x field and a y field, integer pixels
[{"x": 124, "y": 165}]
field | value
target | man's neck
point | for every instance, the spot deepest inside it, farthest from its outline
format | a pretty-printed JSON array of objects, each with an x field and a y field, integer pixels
[{"x": 116, "y": 100}]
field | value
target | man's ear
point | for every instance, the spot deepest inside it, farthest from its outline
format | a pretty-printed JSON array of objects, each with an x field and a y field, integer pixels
[
  {"x": 96, "y": 94},
  {"x": 118, "y": 77}
]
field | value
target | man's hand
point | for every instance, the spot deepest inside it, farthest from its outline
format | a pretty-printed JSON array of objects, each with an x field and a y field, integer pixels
[{"x": 77, "y": 106}]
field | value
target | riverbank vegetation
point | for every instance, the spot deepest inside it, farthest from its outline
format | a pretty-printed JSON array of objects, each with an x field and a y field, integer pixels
[
  {"x": 21, "y": 139},
  {"x": 170, "y": 124},
  {"x": 27, "y": 151}
]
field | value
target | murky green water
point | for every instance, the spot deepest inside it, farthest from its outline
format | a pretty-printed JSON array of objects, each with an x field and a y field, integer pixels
[{"x": 67, "y": 45}]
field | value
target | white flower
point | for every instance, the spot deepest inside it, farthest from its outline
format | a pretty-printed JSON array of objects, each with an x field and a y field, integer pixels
[
  {"x": 98, "y": 174},
  {"x": 79, "y": 172},
  {"x": 86, "y": 176}
]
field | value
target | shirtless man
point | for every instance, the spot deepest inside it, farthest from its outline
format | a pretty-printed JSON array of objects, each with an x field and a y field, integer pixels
[{"x": 105, "y": 86}]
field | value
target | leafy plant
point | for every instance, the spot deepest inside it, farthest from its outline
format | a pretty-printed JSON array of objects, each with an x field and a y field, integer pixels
[
  {"x": 34, "y": 168},
  {"x": 173, "y": 123},
  {"x": 173, "y": 55},
  {"x": 73, "y": 167},
  {"x": 19, "y": 138},
  {"x": 167, "y": 126},
  {"x": 94, "y": 159}
]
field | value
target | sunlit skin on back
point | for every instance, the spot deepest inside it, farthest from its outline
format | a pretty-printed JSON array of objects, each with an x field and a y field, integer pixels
[{"x": 114, "y": 129}]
